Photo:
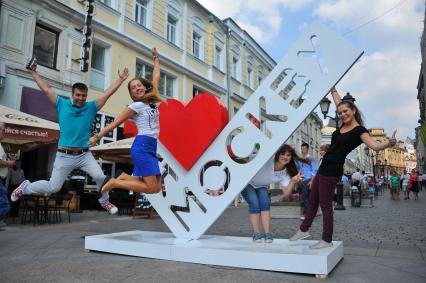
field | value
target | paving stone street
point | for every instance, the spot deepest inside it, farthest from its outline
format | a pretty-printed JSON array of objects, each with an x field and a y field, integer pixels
[{"x": 386, "y": 243}]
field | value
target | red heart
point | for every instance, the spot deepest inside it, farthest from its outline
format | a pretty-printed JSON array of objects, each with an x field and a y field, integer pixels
[{"x": 188, "y": 130}]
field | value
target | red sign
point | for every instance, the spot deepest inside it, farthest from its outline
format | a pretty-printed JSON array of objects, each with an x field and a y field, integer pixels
[{"x": 17, "y": 132}]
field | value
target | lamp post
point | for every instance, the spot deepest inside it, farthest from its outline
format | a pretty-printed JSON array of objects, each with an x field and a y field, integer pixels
[
  {"x": 325, "y": 106},
  {"x": 372, "y": 155}
]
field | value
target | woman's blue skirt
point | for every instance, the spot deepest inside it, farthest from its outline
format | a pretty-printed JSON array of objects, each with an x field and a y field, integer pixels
[{"x": 144, "y": 156}]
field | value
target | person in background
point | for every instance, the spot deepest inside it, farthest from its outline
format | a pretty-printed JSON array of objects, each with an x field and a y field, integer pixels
[
  {"x": 357, "y": 176},
  {"x": 308, "y": 170},
  {"x": 371, "y": 184},
  {"x": 405, "y": 177},
  {"x": 394, "y": 185},
  {"x": 414, "y": 184},
  {"x": 423, "y": 184},
  {"x": 4, "y": 166},
  {"x": 14, "y": 178}
]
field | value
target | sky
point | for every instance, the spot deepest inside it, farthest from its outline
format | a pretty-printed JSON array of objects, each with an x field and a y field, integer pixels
[{"x": 383, "y": 82}]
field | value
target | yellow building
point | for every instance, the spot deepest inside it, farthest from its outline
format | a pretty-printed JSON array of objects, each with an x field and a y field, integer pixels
[
  {"x": 198, "y": 53},
  {"x": 394, "y": 158}
]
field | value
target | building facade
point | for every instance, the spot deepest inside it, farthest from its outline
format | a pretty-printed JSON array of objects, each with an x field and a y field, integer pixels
[
  {"x": 198, "y": 53},
  {"x": 421, "y": 96}
]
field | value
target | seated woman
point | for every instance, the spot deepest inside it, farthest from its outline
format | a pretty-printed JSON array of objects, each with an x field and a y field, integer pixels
[{"x": 280, "y": 168}]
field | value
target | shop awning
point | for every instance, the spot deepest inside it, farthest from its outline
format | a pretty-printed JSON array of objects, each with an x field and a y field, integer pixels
[
  {"x": 26, "y": 131},
  {"x": 118, "y": 151}
]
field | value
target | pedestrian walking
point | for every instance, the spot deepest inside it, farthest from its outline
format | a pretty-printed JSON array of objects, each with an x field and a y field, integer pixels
[
  {"x": 4, "y": 166},
  {"x": 394, "y": 185},
  {"x": 346, "y": 138},
  {"x": 413, "y": 184},
  {"x": 405, "y": 177},
  {"x": 14, "y": 178}
]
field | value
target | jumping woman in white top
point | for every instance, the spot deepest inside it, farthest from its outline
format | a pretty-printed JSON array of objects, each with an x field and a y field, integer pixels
[{"x": 144, "y": 111}]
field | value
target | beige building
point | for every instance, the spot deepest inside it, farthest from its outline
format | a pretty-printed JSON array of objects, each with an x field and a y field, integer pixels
[
  {"x": 198, "y": 53},
  {"x": 394, "y": 158}
]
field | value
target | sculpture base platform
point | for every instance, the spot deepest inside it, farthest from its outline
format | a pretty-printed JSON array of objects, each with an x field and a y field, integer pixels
[{"x": 281, "y": 255}]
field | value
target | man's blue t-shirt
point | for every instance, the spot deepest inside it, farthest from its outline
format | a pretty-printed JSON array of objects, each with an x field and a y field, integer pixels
[{"x": 75, "y": 123}]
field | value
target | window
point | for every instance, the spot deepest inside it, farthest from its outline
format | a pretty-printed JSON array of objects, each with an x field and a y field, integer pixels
[
  {"x": 171, "y": 29},
  {"x": 144, "y": 71},
  {"x": 218, "y": 57},
  {"x": 141, "y": 12},
  {"x": 196, "y": 91},
  {"x": 97, "y": 72},
  {"x": 198, "y": 30},
  {"x": 166, "y": 87},
  {"x": 250, "y": 77},
  {"x": 46, "y": 46},
  {"x": 106, "y": 2},
  {"x": 259, "y": 75},
  {"x": 173, "y": 14},
  {"x": 234, "y": 67},
  {"x": 250, "y": 72},
  {"x": 109, "y": 3},
  {"x": 196, "y": 42}
]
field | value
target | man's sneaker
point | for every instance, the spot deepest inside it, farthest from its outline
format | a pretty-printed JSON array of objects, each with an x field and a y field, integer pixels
[
  {"x": 302, "y": 217},
  {"x": 257, "y": 237},
  {"x": 112, "y": 209},
  {"x": 321, "y": 245},
  {"x": 299, "y": 236},
  {"x": 268, "y": 238},
  {"x": 19, "y": 191}
]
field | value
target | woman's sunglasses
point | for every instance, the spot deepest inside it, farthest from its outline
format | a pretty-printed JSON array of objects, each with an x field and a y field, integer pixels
[{"x": 148, "y": 87}]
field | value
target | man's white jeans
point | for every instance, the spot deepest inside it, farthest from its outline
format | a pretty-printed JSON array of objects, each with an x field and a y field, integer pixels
[{"x": 64, "y": 164}]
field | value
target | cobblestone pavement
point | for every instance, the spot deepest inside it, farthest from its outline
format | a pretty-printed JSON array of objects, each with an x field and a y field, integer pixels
[{"x": 385, "y": 243}]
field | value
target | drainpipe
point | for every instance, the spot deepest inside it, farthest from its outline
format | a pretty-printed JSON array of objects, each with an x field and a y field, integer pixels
[{"x": 228, "y": 72}]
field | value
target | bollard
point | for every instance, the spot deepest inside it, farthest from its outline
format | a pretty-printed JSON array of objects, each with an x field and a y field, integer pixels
[{"x": 339, "y": 205}]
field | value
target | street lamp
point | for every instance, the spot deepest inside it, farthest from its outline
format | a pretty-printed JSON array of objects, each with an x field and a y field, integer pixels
[
  {"x": 325, "y": 106},
  {"x": 367, "y": 152}
]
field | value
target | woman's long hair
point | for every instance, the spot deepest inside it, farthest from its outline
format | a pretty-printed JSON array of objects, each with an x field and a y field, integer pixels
[
  {"x": 152, "y": 95},
  {"x": 291, "y": 167},
  {"x": 352, "y": 106}
]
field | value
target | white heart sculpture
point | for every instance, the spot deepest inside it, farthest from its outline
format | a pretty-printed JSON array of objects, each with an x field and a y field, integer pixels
[{"x": 316, "y": 62}]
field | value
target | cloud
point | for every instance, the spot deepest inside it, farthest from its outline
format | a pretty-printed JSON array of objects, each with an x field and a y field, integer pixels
[
  {"x": 384, "y": 81},
  {"x": 384, "y": 84},
  {"x": 261, "y": 20},
  {"x": 398, "y": 26}
]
